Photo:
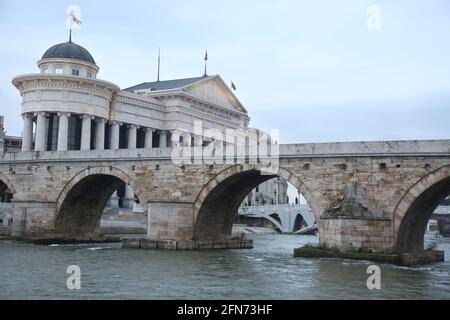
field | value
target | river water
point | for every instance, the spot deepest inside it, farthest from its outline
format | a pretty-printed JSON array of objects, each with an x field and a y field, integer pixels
[{"x": 268, "y": 271}]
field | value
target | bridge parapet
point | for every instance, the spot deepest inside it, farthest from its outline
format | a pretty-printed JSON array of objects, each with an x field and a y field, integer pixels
[
  {"x": 310, "y": 150},
  {"x": 400, "y": 147}
]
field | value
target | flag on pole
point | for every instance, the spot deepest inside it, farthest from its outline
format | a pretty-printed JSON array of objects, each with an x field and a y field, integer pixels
[
  {"x": 75, "y": 20},
  {"x": 233, "y": 86}
]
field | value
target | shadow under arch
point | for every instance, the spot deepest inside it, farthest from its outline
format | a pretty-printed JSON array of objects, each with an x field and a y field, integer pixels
[
  {"x": 81, "y": 202},
  {"x": 299, "y": 222},
  {"x": 276, "y": 221},
  {"x": 220, "y": 198},
  {"x": 416, "y": 207}
]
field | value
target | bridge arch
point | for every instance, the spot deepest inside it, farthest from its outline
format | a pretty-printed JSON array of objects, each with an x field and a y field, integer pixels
[
  {"x": 414, "y": 210},
  {"x": 221, "y": 196},
  {"x": 81, "y": 202},
  {"x": 276, "y": 220}
]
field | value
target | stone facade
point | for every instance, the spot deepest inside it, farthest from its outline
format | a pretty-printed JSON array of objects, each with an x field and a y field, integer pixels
[{"x": 198, "y": 201}]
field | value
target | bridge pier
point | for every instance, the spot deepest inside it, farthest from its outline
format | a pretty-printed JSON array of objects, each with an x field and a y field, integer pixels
[
  {"x": 352, "y": 234},
  {"x": 170, "y": 220},
  {"x": 33, "y": 219}
]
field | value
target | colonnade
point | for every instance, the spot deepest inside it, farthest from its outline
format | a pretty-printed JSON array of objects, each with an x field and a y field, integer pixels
[{"x": 42, "y": 130}]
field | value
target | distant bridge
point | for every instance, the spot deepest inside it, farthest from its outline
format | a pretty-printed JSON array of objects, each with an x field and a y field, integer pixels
[
  {"x": 441, "y": 211},
  {"x": 288, "y": 218}
]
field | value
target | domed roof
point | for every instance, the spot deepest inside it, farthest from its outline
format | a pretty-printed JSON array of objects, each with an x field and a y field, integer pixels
[{"x": 68, "y": 50}]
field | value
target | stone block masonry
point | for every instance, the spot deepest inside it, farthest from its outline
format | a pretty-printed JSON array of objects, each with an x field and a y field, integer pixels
[{"x": 186, "y": 244}]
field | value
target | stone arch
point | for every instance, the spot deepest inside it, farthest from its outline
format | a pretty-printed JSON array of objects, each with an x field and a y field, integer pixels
[
  {"x": 82, "y": 200},
  {"x": 415, "y": 208},
  {"x": 8, "y": 183},
  {"x": 224, "y": 193},
  {"x": 276, "y": 220}
]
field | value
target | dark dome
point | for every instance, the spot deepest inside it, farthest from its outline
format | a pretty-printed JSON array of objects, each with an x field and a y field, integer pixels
[{"x": 68, "y": 50}]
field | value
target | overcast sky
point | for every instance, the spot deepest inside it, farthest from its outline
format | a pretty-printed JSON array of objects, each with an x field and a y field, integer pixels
[{"x": 312, "y": 69}]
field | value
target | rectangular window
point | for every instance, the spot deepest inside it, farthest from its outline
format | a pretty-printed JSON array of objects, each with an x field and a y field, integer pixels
[
  {"x": 59, "y": 71},
  {"x": 155, "y": 139},
  {"x": 52, "y": 137},
  {"x": 45, "y": 70},
  {"x": 123, "y": 137},
  {"x": 140, "y": 141},
  {"x": 89, "y": 74},
  {"x": 93, "y": 131},
  {"x": 107, "y": 135},
  {"x": 75, "y": 72},
  {"x": 74, "y": 134}
]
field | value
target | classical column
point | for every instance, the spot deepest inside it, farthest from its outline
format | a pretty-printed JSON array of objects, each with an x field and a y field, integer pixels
[
  {"x": 86, "y": 133},
  {"x": 132, "y": 132},
  {"x": 63, "y": 131},
  {"x": 198, "y": 141},
  {"x": 163, "y": 139},
  {"x": 278, "y": 192},
  {"x": 254, "y": 197},
  {"x": 114, "y": 200},
  {"x": 115, "y": 132},
  {"x": 40, "y": 132},
  {"x": 27, "y": 134},
  {"x": 149, "y": 138},
  {"x": 187, "y": 139},
  {"x": 128, "y": 200},
  {"x": 198, "y": 149},
  {"x": 175, "y": 137},
  {"x": 100, "y": 134}
]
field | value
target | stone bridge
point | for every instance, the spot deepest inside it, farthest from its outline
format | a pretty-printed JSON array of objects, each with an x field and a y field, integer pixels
[{"x": 378, "y": 195}]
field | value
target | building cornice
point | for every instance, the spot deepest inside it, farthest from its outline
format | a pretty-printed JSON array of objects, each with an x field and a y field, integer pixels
[
  {"x": 131, "y": 98},
  {"x": 167, "y": 94},
  {"x": 61, "y": 78}
]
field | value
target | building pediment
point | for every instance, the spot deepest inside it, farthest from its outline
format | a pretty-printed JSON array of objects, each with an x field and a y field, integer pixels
[
  {"x": 214, "y": 89},
  {"x": 210, "y": 89}
]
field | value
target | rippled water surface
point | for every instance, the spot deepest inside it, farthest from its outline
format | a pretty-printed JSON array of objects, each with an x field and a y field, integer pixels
[{"x": 268, "y": 271}]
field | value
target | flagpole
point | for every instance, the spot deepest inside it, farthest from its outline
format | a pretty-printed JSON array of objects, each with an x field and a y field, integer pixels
[
  {"x": 206, "y": 61},
  {"x": 73, "y": 19},
  {"x": 159, "y": 61}
]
